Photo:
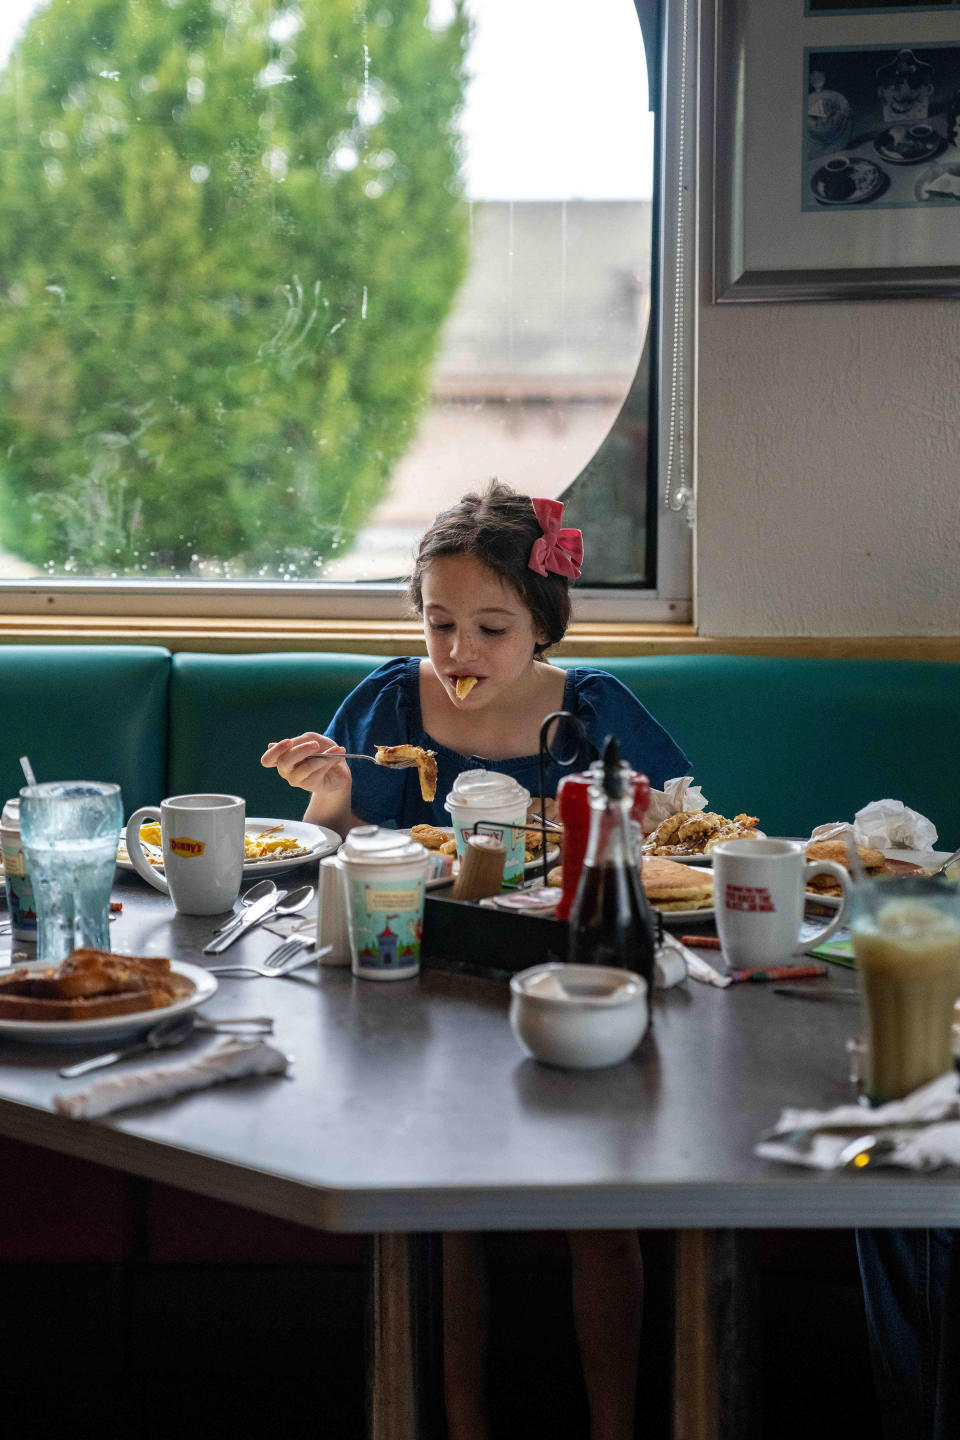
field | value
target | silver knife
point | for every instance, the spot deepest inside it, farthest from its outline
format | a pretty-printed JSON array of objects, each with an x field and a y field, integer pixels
[{"x": 252, "y": 916}]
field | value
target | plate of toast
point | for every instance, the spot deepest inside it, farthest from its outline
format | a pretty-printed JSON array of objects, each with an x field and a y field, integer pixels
[
  {"x": 95, "y": 995},
  {"x": 269, "y": 845}
]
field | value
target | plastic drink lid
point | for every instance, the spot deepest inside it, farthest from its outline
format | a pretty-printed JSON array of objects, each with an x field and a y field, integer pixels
[
  {"x": 375, "y": 845},
  {"x": 487, "y": 788}
]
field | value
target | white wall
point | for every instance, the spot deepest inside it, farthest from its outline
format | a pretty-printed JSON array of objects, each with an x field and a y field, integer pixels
[{"x": 829, "y": 469}]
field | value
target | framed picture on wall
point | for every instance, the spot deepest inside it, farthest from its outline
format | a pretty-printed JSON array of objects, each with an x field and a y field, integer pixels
[{"x": 837, "y": 160}]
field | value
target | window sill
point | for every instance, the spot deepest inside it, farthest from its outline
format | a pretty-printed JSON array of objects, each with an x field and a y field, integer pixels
[{"x": 405, "y": 637}]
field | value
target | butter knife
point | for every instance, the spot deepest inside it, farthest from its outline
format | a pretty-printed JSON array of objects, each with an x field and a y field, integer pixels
[{"x": 252, "y": 916}]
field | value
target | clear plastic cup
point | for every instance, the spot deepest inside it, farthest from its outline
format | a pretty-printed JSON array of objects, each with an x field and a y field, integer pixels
[{"x": 70, "y": 830}]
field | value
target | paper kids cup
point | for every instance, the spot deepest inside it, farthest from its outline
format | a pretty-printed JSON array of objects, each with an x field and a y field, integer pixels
[
  {"x": 486, "y": 795},
  {"x": 202, "y": 841},
  {"x": 385, "y": 874}
]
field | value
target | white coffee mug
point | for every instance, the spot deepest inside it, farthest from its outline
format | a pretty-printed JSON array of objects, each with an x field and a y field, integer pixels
[
  {"x": 758, "y": 896},
  {"x": 202, "y": 841}
]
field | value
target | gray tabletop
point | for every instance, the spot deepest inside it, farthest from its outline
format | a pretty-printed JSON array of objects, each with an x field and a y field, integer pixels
[{"x": 411, "y": 1107}]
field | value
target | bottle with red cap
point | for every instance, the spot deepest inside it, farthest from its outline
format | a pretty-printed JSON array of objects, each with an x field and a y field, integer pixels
[
  {"x": 610, "y": 919},
  {"x": 573, "y": 809}
]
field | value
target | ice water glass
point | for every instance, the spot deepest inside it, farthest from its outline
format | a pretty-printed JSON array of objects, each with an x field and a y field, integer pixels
[{"x": 70, "y": 830}]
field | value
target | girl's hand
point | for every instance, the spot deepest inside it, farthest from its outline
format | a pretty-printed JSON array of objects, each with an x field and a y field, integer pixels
[{"x": 299, "y": 762}]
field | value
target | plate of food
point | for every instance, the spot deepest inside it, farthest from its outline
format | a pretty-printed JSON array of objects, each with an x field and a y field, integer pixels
[
  {"x": 859, "y": 181},
  {"x": 439, "y": 840},
  {"x": 679, "y": 892},
  {"x": 94, "y": 995},
  {"x": 824, "y": 890},
  {"x": 939, "y": 182},
  {"x": 269, "y": 845},
  {"x": 908, "y": 144},
  {"x": 691, "y": 835}
]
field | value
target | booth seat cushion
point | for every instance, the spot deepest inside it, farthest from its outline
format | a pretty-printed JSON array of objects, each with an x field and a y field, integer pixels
[
  {"x": 85, "y": 712},
  {"x": 224, "y": 709},
  {"x": 798, "y": 742}
]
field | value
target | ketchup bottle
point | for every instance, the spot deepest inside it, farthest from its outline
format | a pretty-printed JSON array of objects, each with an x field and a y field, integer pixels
[
  {"x": 573, "y": 807},
  {"x": 610, "y": 920}
]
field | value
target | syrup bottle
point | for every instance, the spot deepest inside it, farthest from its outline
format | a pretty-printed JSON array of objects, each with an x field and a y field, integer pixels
[{"x": 610, "y": 920}]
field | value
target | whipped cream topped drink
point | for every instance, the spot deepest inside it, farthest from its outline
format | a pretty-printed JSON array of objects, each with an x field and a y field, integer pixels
[{"x": 908, "y": 956}]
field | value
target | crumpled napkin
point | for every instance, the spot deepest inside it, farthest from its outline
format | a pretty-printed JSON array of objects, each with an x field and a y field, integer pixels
[
  {"x": 228, "y": 1059},
  {"x": 923, "y": 1130},
  {"x": 678, "y": 794},
  {"x": 884, "y": 824}
]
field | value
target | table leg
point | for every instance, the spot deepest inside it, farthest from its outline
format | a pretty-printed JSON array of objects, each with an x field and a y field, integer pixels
[
  {"x": 717, "y": 1386},
  {"x": 404, "y": 1359},
  {"x": 695, "y": 1398}
]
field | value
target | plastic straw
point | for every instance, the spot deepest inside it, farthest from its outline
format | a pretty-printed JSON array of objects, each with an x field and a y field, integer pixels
[{"x": 27, "y": 769}]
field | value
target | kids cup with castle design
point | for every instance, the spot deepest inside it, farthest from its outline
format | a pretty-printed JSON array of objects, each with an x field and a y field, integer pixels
[
  {"x": 501, "y": 802},
  {"x": 384, "y": 876}
]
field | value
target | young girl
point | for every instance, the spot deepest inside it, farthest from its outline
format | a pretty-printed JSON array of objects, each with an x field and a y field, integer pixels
[{"x": 491, "y": 579}]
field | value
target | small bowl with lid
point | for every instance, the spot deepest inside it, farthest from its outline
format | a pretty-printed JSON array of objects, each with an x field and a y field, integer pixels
[{"x": 578, "y": 1017}]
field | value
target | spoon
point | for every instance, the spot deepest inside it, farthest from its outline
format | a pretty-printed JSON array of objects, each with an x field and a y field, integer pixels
[
  {"x": 168, "y": 1033},
  {"x": 295, "y": 901},
  {"x": 260, "y": 891},
  {"x": 942, "y": 869}
]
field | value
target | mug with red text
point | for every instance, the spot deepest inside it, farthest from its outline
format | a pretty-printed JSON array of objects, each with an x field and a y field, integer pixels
[
  {"x": 758, "y": 895},
  {"x": 201, "y": 837}
]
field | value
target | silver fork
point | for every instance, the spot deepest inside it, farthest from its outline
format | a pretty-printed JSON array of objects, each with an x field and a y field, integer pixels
[
  {"x": 277, "y": 963},
  {"x": 391, "y": 765}
]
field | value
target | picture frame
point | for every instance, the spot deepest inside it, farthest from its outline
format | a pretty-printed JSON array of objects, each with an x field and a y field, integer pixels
[{"x": 869, "y": 91}]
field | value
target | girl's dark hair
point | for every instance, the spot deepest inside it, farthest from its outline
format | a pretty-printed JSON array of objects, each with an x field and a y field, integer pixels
[{"x": 499, "y": 527}]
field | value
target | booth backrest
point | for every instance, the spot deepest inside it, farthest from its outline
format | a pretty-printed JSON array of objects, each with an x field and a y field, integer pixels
[
  {"x": 801, "y": 742},
  {"x": 794, "y": 742},
  {"x": 224, "y": 709},
  {"x": 85, "y": 712}
]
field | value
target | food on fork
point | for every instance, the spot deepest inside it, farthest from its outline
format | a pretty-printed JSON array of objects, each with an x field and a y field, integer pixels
[
  {"x": 465, "y": 684},
  {"x": 697, "y": 832},
  {"x": 425, "y": 761},
  {"x": 90, "y": 984}
]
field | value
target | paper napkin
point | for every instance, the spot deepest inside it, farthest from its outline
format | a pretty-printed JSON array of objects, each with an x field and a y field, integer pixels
[
  {"x": 228, "y": 1059},
  {"x": 884, "y": 824},
  {"x": 676, "y": 795},
  {"x": 923, "y": 1130}
]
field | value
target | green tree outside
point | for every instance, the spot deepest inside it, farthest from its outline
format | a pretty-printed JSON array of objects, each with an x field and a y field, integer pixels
[{"x": 230, "y": 234}]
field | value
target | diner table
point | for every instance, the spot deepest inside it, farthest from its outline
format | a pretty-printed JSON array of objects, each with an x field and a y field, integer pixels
[{"x": 410, "y": 1109}]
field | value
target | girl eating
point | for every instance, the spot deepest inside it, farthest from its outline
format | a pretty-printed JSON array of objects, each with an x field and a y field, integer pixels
[{"x": 491, "y": 580}]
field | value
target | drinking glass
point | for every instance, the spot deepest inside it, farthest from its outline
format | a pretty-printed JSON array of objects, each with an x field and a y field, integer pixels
[
  {"x": 70, "y": 830},
  {"x": 906, "y": 939}
]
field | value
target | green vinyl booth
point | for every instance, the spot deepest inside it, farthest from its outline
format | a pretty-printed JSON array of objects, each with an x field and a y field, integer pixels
[{"x": 796, "y": 742}]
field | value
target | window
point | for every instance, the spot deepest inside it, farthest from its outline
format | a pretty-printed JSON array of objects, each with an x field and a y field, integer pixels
[{"x": 278, "y": 281}]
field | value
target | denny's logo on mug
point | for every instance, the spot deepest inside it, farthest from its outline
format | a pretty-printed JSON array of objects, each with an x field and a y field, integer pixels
[
  {"x": 201, "y": 837},
  {"x": 759, "y": 888}
]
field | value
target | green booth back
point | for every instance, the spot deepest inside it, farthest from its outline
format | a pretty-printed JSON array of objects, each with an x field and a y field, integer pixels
[
  {"x": 225, "y": 709},
  {"x": 801, "y": 742},
  {"x": 794, "y": 742},
  {"x": 85, "y": 712}
]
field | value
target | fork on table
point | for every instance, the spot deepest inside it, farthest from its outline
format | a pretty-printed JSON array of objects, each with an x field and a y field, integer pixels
[{"x": 281, "y": 960}]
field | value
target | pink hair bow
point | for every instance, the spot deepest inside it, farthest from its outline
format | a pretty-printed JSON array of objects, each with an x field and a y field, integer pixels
[{"x": 559, "y": 551}]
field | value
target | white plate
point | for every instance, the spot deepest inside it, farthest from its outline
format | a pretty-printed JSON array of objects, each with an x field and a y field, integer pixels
[
  {"x": 316, "y": 839},
  {"x": 685, "y": 917},
  {"x": 109, "y": 1027}
]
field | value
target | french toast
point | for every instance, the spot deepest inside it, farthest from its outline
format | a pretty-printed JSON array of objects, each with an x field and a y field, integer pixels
[
  {"x": 425, "y": 761},
  {"x": 90, "y": 984}
]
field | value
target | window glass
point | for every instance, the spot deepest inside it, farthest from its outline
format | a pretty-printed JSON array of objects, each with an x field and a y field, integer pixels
[{"x": 279, "y": 281}]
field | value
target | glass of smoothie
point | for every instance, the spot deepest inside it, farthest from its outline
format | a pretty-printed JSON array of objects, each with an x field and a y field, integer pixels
[{"x": 906, "y": 939}]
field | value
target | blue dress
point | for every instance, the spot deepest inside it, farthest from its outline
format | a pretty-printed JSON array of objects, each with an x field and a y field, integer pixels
[{"x": 384, "y": 709}]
